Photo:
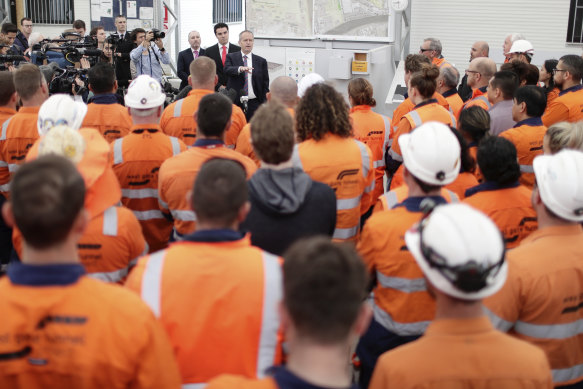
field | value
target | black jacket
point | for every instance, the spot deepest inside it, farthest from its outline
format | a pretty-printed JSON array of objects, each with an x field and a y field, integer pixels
[{"x": 214, "y": 53}]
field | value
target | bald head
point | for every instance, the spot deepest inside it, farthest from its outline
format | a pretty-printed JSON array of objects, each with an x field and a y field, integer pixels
[
  {"x": 480, "y": 71},
  {"x": 285, "y": 90},
  {"x": 203, "y": 73},
  {"x": 479, "y": 49}
]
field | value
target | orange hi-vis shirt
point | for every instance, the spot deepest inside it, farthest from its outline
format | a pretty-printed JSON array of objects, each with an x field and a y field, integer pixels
[
  {"x": 508, "y": 206},
  {"x": 217, "y": 297},
  {"x": 112, "y": 120},
  {"x": 5, "y": 114},
  {"x": 391, "y": 199},
  {"x": 345, "y": 165},
  {"x": 463, "y": 182},
  {"x": 373, "y": 130},
  {"x": 17, "y": 134},
  {"x": 402, "y": 304},
  {"x": 177, "y": 176},
  {"x": 440, "y": 62},
  {"x": 61, "y": 329},
  {"x": 244, "y": 145},
  {"x": 137, "y": 158},
  {"x": 113, "y": 240},
  {"x": 407, "y": 106},
  {"x": 479, "y": 98},
  {"x": 463, "y": 353},
  {"x": 567, "y": 107},
  {"x": 178, "y": 119},
  {"x": 527, "y": 136},
  {"x": 455, "y": 102},
  {"x": 541, "y": 299}
]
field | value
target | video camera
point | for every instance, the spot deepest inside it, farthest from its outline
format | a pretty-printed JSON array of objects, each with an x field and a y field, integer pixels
[
  {"x": 63, "y": 82},
  {"x": 72, "y": 51},
  {"x": 7, "y": 59},
  {"x": 158, "y": 34}
]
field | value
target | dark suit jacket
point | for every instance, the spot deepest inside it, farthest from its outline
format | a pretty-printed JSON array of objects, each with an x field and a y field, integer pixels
[
  {"x": 185, "y": 57},
  {"x": 214, "y": 53},
  {"x": 259, "y": 78},
  {"x": 122, "y": 64}
]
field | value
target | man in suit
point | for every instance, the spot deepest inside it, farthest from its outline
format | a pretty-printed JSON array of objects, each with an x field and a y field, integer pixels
[
  {"x": 247, "y": 74},
  {"x": 122, "y": 52},
  {"x": 219, "y": 52},
  {"x": 185, "y": 57}
]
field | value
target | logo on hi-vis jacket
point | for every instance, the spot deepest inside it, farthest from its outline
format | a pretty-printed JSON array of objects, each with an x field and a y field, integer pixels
[
  {"x": 349, "y": 172},
  {"x": 145, "y": 179}
]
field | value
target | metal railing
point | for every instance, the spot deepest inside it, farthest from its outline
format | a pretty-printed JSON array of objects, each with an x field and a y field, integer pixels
[
  {"x": 50, "y": 11},
  {"x": 575, "y": 26},
  {"x": 227, "y": 11}
]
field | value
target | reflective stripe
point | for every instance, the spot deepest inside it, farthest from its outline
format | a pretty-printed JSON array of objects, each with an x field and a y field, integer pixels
[
  {"x": 379, "y": 163},
  {"x": 110, "y": 221},
  {"x": 344, "y": 204},
  {"x": 148, "y": 215},
  {"x": 5, "y": 188},
  {"x": 177, "y": 236},
  {"x": 175, "y": 145},
  {"x": 194, "y": 386},
  {"x": 296, "y": 160},
  {"x": 178, "y": 108},
  {"x": 112, "y": 276},
  {"x": 454, "y": 198},
  {"x": 13, "y": 167},
  {"x": 232, "y": 147},
  {"x": 391, "y": 198},
  {"x": 272, "y": 294},
  {"x": 405, "y": 285},
  {"x": 5, "y": 129},
  {"x": 3, "y": 164},
  {"x": 387, "y": 141},
  {"x": 370, "y": 188},
  {"x": 134, "y": 261},
  {"x": 526, "y": 169},
  {"x": 117, "y": 151},
  {"x": 365, "y": 157},
  {"x": 396, "y": 157},
  {"x": 485, "y": 100},
  {"x": 152, "y": 280},
  {"x": 163, "y": 204},
  {"x": 139, "y": 193},
  {"x": 453, "y": 121},
  {"x": 550, "y": 331},
  {"x": 345, "y": 233},
  {"x": 498, "y": 322},
  {"x": 402, "y": 329},
  {"x": 185, "y": 216},
  {"x": 568, "y": 374},
  {"x": 416, "y": 118}
]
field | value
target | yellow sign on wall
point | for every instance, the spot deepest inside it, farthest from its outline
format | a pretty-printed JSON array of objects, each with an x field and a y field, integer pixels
[{"x": 360, "y": 66}]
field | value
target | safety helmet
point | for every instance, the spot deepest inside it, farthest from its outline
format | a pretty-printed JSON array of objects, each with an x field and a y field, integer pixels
[
  {"x": 144, "y": 92},
  {"x": 521, "y": 46},
  {"x": 431, "y": 152},
  {"x": 65, "y": 141},
  {"x": 559, "y": 179},
  {"x": 60, "y": 109},
  {"x": 460, "y": 251},
  {"x": 306, "y": 82}
]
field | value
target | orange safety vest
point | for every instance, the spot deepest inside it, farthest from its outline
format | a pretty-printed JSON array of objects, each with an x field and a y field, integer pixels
[
  {"x": 527, "y": 136},
  {"x": 178, "y": 119},
  {"x": 391, "y": 199},
  {"x": 455, "y": 102},
  {"x": 463, "y": 182},
  {"x": 440, "y": 62},
  {"x": 473, "y": 150},
  {"x": 211, "y": 297},
  {"x": 407, "y": 106},
  {"x": 479, "y": 98},
  {"x": 112, "y": 120},
  {"x": 566, "y": 107},
  {"x": 373, "y": 130},
  {"x": 510, "y": 208},
  {"x": 346, "y": 165},
  {"x": 177, "y": 176},
  {"x": 541, "y": 299},
  {"x": 136, "y": 163},
  {"x": 17, "y": 134}
]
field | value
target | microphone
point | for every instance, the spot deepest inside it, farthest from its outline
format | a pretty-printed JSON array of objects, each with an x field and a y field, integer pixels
[{"x": 244, "y": 100}]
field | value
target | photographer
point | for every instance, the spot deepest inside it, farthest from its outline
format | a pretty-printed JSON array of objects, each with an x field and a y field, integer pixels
[{"x": 147, "y": 56}]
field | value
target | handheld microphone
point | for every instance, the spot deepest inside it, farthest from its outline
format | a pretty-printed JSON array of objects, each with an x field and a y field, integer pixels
[{"x": 244, "y": 100}]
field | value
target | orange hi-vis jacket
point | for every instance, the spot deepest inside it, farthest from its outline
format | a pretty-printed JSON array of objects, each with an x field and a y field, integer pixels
[
  {"x": 542, "y": 298},
  {"x": 137, "y": 158},
  {"x": 527, "y": 136},
  {"x": 455, "y": 102},
  {"x": 61, "y": 329},
  {"x": 463, "y": 182},
  {"x": 479, "y": 98},
  {"x": 5, "y": 114},
  {"x": 178, "y": 119},
  {"x": 346, "y": 165},
  {"x": 391, "y": 199},
  {"x": 177, "y": 176},
  {"x": 463, "y": 353},
  {"x": 508, "y": 206},
  {"x": 407, "y": 106},
  {"x": 244, "y": 145},
  {"x": 440, "y": 62},
  {"x": 568, "y": 107},
  {"x": 473, "y": 150},
  {"x": 553, "y": 94},
  {"x": 217, "y": 297},
  {"x": 373, "y": 130},
  {"x": 402, "y": 304},
  {"x": 112, "y": 120},
  {"x": 17, "y": 134},
  {"x": 113, "y": 240}
]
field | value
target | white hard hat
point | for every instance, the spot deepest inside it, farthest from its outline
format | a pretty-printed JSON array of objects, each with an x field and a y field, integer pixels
[
  {"x": 65, "y": 141},
  {"x": 460, "y": 251},
  {"x": 306, "y": 82},
  {"x": 521, "y": 46},
  {"x": 559, "y": 179},
  {"x": 431, "y": 152},
  {"x": 144, "y": 92},
  {"x": 60, "y": 109}
]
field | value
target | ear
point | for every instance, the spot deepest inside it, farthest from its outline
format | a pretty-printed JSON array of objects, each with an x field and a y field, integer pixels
[
  {"x": 129, "y": 111},
  {"x": 243, "y": 212},
  {"x": 363, "y": 319},
  {"x": 81, "y": 222},
  {"x": 91, "y": 88},
  {"x": 160, "y": 110},
  {"x": 14, "y": 97},
  {"x": 115, "y": 86},
  {"x": 189, "y": 80},
  {"x": 8, "y": 215},
  {"x": 268, "y": 96},
  {"x": 216, "y": 79}
]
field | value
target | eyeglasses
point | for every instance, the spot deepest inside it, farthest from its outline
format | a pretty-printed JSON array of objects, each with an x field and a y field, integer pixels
[
  {"x": 559, "y": 70},
  {"x": 472, "y": 71},
  {"x": 422, "y": 50}
]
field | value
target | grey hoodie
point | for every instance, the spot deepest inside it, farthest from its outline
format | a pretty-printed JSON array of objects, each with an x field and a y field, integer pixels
[{"x": 282, "y": 191}]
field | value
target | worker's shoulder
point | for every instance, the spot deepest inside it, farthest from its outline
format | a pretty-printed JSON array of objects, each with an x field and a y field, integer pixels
[{"x": 233, "y": 381}]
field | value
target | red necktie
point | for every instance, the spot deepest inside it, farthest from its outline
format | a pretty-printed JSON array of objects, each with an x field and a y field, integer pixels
[
  {"x": 224, "y": 55},
  {"x": 246, "y": 82},
  {"x": 195, "y": 53}
]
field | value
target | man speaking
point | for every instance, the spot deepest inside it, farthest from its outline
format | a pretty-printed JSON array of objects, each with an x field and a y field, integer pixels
[{"x": 247, "y": 75}]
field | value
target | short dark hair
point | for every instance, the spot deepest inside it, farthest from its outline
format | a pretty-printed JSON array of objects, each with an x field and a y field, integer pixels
[
  {"x": 498, "y": 161},
  {"x": 135, "y": 32},
  {"x": 535, "y": 99},
  {"x": 93, "y": 32},
  {"x": 120, "y": 16},
  {"x": 550, "y": 65},
  {"x": 507, "y": 82},
  {"x": 9, "y": 27},
  {"x": 574, "y": 65},
  {"x": 519, "y": 68},
  {"x": 25, "y": 18},
  {"x": 79, "y": 24},
  {"x": 475, "y": 120},
  {"x": 413, "y": 62},
  {"x": 7, "y": 88},
  {"x": 272, "y": 133},
  {"x": 468, "y": 162},
  {"x": 27, "y": 80},
  {"x": 102, "y": 77},
  {"x": 47, "y": 196},
  {"x": 219, "y": 192},
  {"x": 213, "y": 114},
  {"x": 220, "y": 25},
  {"x": 532, "y": 75},
  {"x": 324, "y": 287}
]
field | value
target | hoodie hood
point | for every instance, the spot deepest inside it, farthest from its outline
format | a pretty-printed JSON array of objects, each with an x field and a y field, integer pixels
[{"x": 281, "y": 191}]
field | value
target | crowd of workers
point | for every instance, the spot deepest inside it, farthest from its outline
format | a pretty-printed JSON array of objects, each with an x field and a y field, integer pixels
[{"x": 320, "y": 245}]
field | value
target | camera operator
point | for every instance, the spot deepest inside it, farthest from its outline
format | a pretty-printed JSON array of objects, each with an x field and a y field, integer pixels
[{"x": 147, "y": 56}]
